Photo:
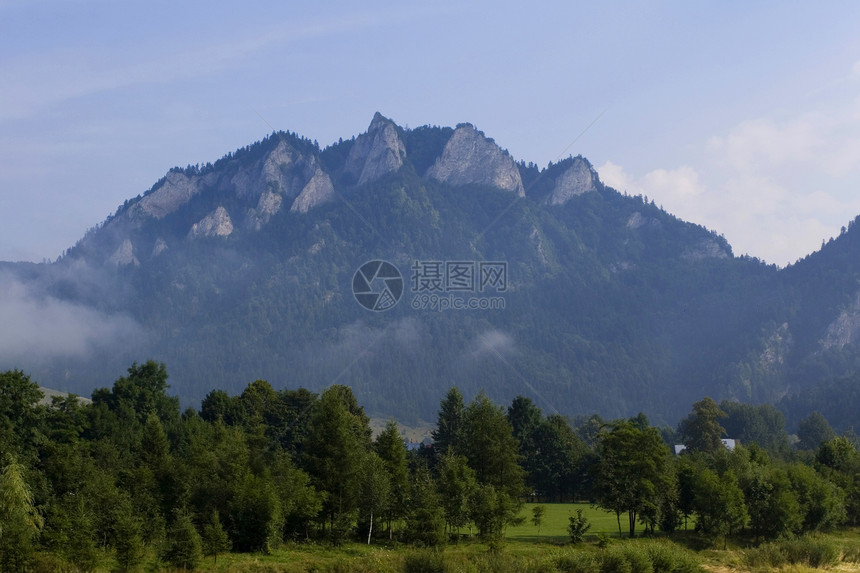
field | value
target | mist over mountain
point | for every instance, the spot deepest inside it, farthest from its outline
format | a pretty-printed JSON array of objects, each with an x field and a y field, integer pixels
[{"x": 245, "y": 269}]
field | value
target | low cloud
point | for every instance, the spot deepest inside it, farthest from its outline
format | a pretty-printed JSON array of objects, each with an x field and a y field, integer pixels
[
  {"x": 37, "y": 328},
  {"x": 491, "y": 343},
  {"x": 774, "y": 186}
]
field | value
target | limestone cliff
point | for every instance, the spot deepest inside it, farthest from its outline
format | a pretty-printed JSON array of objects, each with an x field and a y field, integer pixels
[
  {"x": 579, "y": 178},
  {"x": 471, "y": 158},
  {"x": 375, "y": 153},
  {"x": 845, "y": 329},
  {"x": 316, "y": 191},
  {"x": 215, "y": 224},
  {"x": 124, "y": 255},
  {"x": 176, "y": 190}
]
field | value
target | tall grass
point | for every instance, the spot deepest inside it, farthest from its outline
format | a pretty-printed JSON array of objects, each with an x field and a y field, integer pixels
[{"x": 810, "y": 550}]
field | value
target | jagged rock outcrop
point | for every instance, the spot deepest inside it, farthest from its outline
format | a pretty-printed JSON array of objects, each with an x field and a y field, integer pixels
[
  {"x": 471, "y": 158},
  {"x": 845, "y": 329},
  {"x": 579, "y": 178},
  {"x": 177, "y": 189},
  {"x": 776, "y": 348},
  {"x": 706, "y": 249},
  {"x": 377, "y": 152},
  {"x": 215, "y": 224},
  {"x": 268, "y": 204},
  {"x": 159, "y": 247},
  {"x": 637, "y": 220},
  {"x": 284, "y": 176},
  {"x": 124, "y": 255},
  {"x": 317, "y": 190}
]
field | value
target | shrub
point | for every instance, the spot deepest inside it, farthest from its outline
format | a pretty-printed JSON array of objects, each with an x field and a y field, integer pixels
[
  {"x": 577, "y": 527},
  {"x": 813, "y": 551},
  {"x": 424, "y": 562},
  {"x": 670, "y": 558},
  {"x": 578, "y": 562},
  {"x": 613, "y": 560}
]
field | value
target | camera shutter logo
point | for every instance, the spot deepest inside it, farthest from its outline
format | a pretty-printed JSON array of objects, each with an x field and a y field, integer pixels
[{"x": 377, "y": 285}]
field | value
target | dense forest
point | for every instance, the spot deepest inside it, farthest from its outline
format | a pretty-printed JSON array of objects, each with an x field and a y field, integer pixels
[{"x": 84, "y": 484}]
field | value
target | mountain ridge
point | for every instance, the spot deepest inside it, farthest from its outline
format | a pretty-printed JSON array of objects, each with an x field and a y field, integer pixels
[{"x": 614, "y": 305}]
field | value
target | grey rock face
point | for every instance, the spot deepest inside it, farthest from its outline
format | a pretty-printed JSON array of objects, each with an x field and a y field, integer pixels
[
  {"x": 316, "y": 191},
  {"x": 124, "y": 255},
  {"x": 176, "y": 190},
  {"x": 269, "y": 204},
  {"x": 215, "y": 224},
  {"x": 707, "y": 249},
  {"x": 471, "y": 158},
  {"x": 845, "y": 329},
  {"x": 579, "y": 178},
  {"x": 284, "y": 176},
  {"x": 637, "y": 220},
  {"x": 377, "y": 152},
  {"x": 160, "y": 247}
]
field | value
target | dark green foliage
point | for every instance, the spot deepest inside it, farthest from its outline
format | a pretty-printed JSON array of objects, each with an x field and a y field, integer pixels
[
  {"x": 719, "y": 505},
  {"x": 18, "y": 418},
  {"x": 71, "y": 531},
  {"x": 338, "y": 438},
  {"x": 127, "y": 539},
  {"x": 538, "y": 512},
  {"x": 448, "y": 434},
  {"x": 772, "y": 505},
  {"x": 426, "y": 524},
  {"x": 763, "y": 425},
  {"x": 391, "y": 449},
  {"x": 374, "y": 493},
  {"x": 183, "y": 547},
  {"x": 457, "y": 484},
  {"x": 701, "y": 430},
  {"x": 813, "y": 431},
  {"x": 141, "y": 393},
  {"x": 20, "y": 522},
  {"x": 255, "y": 515},
  {"x": 577, "y": 527},
  {"x": 214, "y": 539},
  {"x": 633, "y": 474}
]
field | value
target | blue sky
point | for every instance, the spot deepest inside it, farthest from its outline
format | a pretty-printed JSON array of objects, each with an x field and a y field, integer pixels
[{"x": 741, "y": 116}]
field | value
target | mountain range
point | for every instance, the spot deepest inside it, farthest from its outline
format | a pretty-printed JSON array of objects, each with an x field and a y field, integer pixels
[{"x": 261, "y": 265}]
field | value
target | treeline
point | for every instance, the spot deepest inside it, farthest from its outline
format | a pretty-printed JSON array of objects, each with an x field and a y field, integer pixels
[{"x": 129, "y": 475}]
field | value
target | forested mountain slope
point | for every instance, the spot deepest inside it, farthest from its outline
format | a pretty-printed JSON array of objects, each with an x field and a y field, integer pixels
[{"x": 244, "y": 269}]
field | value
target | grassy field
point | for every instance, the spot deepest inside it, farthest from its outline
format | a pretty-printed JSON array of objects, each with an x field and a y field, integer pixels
[
  {"x": 555, "y": 520},
  {"x": 548, "y": 551}
]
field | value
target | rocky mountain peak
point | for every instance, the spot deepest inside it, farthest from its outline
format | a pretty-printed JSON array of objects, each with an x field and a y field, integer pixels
[
  {"x": 378, "y": 151},
  {"x": 577, "y": 179},
  {"x": 471, "y": 158}
]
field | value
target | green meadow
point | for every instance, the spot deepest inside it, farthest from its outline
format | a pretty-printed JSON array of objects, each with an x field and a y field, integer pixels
[{"x": 553, "y": 528}]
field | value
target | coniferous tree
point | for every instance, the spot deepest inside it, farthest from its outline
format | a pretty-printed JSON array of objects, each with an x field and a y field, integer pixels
[
  {"x": 448, "y": 434},
  {"x": 183, "y": 549},
  {"x": 214, "y": 538},
  {"x": 391, "y": 449},
  {"x": 457, "y": 485}
]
